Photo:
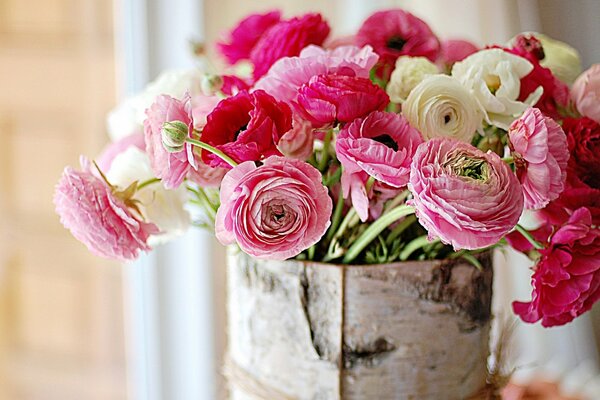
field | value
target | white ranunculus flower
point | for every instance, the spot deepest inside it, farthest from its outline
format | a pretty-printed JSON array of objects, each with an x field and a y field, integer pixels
[
  {"x": 494, "y": 77},
  {"x": 407, "y": 74},
  {"x": 128, "y": 117},
  {"x": 560, "y": 58},
  {"x": 440, "y": 106},
  {"x": 163, "y": 207}
]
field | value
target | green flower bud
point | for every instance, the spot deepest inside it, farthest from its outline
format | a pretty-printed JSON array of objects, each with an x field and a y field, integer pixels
[{"x": 174, "y": 134}]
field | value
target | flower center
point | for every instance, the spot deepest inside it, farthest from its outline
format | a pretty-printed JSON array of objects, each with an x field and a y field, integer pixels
[
  {"x": 493, "y": 83},
  {"x": 469, "y": 167},
  {"x": 395, "y": 43},
  {"x": 387, "y": 141}
]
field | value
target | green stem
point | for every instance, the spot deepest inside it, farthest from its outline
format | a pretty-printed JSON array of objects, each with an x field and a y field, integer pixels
[
  {"x": 402, "y": 226},
  {"x": 375, "y": 229},
  {"x": 330, "y": 180},
  {"x": 147, "y": 183},
  {"x": 337, "y": 216},
  {"x": 414, "y": 245},
  {"x": 508, "y": 160},
  {"x": 537, "y": 245},
  {"x": 369, "y": 184},
  {"x": 325, "y": 156},
  {"x": 204, "y": 201},
  {"x": 213, "y": 150},
  {"x": 396, "y": 201},
  {"x": 311, "y": 252},
  {"x": 349, "y": 220}
]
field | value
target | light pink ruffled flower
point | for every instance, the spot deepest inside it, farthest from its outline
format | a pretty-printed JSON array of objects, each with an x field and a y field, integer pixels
[
  {"x": 274, "y": 211},
  {"x": 467, "y": 198},
  {"x": 89, "y": 208},
  {"x": 113, "y": 149},
  {"x": 382, "y": 144},
  {"x": 299, "y": 141},
  {"x": 586, "y": 93},
  {"x": 287, "y": 75},
  {"x": 366, "y": 204},
  {"x": 539, "y": 147}
]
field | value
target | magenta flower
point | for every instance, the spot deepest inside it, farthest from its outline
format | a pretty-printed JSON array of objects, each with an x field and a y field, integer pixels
[
  {"x": 242, "y": 39},
  {"x": 287, "y": 75},
  {"x": 98, "y": 217},
  {"x": 382, "y": 145},
  {"x": 274, "y": 211},
  {"x": 466, "y": 197},
  {"x": 395, "y": 33},
  {"x": 286, "y": 39},
  {"x": 539, "y": 147},
  {"x": 246, "y": 127},
  {"x": 327, "y": 99},
  {"x": 455, "y": 50},
  {"x": 566, "y": 281}
]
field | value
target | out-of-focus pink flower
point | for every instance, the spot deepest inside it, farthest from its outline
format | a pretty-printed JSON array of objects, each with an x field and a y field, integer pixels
[
  {"x": 586, "y": 93},
  {"x": 246, "y": 127},
  {"x": 233, "y": 84},
  {"x": 566, "y": 281},
  {"x": 466, "y": 197},
  {"x": 583, "y": 137},
  {"x": 287, "y": 75},
  {"x": 395, "y": 33},
  {"x": 382, "y": 145},
  {"x": 97, "y": 217},
  {"x": 334, "y": 43},
  {"x": 539, "y": 147},
  {"x": 201, "y": 107},
  {"x": 326, "y": 99},
  {"x": 113, "y": 149},
  {"x": 274, "y": 211},
  {"x": 242, "y": 39},
  {"x": 170, "y": 167},
  {"x": 560, "y": 210},
  {"x": 286, "y": 39},
  {"x": 455, "y": 50},
  {"x": 298, "y": 142}
]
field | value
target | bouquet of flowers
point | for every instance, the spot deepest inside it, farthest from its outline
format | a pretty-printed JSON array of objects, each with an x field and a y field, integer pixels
[{"x": 385, "y": 146}]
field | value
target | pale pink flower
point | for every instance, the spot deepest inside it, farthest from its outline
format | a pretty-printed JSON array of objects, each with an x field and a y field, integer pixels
[
  {"x": 274, "y": 211},
  {"x": 381, "y": 144},
  {"x": 97, "y": 217},
  {"x": 113, "y": 149},
  {"x": 466, "y": 197},
  {"x": 298, "y": 142},
  {"x": 539, "y": 147},
  {"x": 586, "y": 93},
  {"x": 287, "y": 75},
  {"x": 367, "y": 205}
]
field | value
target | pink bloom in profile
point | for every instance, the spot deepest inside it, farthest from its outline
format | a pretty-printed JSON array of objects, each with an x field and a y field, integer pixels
[
  {"x": 395, "y": 33},
  {"x": 366, "y": 204},
  {"x": 298, "y": 142},
  {"x": 246, "y": 127},
  {"x": 287, "y": 75},
  {"x": 566, "y": 281},
  {"x": 539, "y": 147},
  {"x": 233, "y": 84},
  {"x": 466, "y": 197},
  {"x": 456, "y": 50},
  {"x": 326, "y": 99},
  {"x": 242, "y": 39},
  {"x": 113, "y": 149},
  {"x": 335, "y": 42},
  {"x": 97, "y": 217},
  {"x": 274, "y": 211},
  {"x": 286, "y": 39},
  {"x": 382, "y": 145},
  {"x": 170, "y": 167},
  {"x": 586, "y": 93}
]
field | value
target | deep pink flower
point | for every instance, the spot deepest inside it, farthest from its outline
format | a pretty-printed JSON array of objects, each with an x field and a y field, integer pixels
[
  {"x": 583, "y": 136},
  {"x": 96, "y": 216},
  {"x": 566, "y": 281},
  {"x": 233, "y": 84},
  {"x": 395, "y": 33},
  {"x": 560, "y": 210},
  {"x": 286, "y": 39},
  {"x": 170, "y": 167},
  {"x": 326, "y": 99},
  {"x": 586, "y": 93},
  {"x": 382, "y": 145},
  {"x": 539, "y": 147},
  {"x": 456, "y": 50},
  {"x": 274, "y": 211},
  {"x": 246, "y": 127},
  {"x": 113, "y": 149},
  {"x": 242, "y": 39},
  {"x": 287, "y": 75},
  {"x": 466, "y": 197}
]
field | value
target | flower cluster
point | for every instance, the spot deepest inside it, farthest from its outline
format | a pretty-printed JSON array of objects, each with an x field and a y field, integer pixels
[{"x": 385, "y": 146}]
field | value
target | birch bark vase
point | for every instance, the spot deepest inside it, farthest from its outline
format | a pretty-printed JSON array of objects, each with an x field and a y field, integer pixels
[{"x": 411, "y": 330}]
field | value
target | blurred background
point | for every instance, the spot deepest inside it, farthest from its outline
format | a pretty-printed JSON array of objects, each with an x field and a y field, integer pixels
[{"x": 73, "y": 326}]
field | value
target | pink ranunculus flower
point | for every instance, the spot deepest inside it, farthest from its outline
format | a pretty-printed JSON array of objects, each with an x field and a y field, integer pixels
[
  {"x": 172, "y": 168},
  {"x": 455, "y": 50},
  {"x": 381, "y": 144},
  {"x": 539, "y": 147},
  {"x": 274, "y": 211},
  {"x": 299, "y": 141},
  {"x": 366, "y": 204},
  {"x": 327, "y": 99},
  {"x": 113, "y": 149},
  {"x": 286, "y": 39},
  {"x": 566, "y": 281},
  {"x": 242, "y": 39},
  {"x": 466, "y": 197},
  {"x": 287, "y": 75},
  {"x": 586, "y": 93},
  {"x": 96, "y": 216}
]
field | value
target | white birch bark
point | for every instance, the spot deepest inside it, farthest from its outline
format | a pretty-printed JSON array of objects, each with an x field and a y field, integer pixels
[{"x": 414, "y": 330}]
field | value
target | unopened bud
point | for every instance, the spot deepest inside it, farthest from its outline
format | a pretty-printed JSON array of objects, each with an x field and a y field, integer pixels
[
  {"x": 211, "y": 84},
  {"x": 174, "y": 134}
]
